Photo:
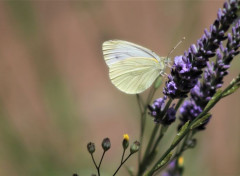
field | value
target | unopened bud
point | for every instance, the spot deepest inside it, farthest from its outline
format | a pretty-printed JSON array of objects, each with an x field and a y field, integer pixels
[
  {"x": 106, "y": 144},
  {"x": 125, "y": 142},
  {"x": 91, "y": 147},
  {"x": 135, "y": 147}
]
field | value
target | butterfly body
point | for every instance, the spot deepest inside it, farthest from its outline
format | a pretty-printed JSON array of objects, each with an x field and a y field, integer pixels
[{"x": 132, "y": 68}]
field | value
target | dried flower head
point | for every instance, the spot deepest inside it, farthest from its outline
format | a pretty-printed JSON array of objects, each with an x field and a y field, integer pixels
[
  {"x": 91, "y": 147},
  {"x": 134, "y": 147},
  {"x": 106, "y": 144}
]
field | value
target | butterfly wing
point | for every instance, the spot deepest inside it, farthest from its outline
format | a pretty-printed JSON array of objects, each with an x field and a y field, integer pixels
[
  {"x": 117, "y": 50},
  {"x": 134, "y": 75}
]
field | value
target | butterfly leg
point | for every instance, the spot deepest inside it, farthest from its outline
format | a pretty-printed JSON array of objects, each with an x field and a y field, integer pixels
[{"x": 162, "y": 73}]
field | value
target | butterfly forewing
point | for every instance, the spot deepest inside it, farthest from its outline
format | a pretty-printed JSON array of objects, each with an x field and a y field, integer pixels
[{"x": 116, "y": 50}]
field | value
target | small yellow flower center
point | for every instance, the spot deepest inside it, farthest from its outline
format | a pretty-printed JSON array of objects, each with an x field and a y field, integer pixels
[
  {"x": 126, "y": 137},
  {"x": 180, "y": 161}
]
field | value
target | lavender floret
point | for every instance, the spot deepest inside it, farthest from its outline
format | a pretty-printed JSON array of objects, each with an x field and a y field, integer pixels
[{"x": 156, "y": 111}]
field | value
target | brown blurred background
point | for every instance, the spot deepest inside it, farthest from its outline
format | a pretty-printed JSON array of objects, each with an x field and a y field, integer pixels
[{"x": 55, "y": 94}]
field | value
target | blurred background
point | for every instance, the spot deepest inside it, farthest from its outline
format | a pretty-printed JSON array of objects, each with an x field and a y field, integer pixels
[{"x": 56, "y": 96}]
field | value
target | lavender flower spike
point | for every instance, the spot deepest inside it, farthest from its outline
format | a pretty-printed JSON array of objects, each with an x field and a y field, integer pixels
[
  {"x": 187, "y": 68},
  {"x": 213, "y": 78}
]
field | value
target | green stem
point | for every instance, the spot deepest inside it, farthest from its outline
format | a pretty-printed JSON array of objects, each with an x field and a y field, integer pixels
[
  {"x": 143, "y": 116},
  {"x": 180, "y": 101},
  {"x": 148, "y": 161},
  {"x": 123, "y": 155},
  {"x": 158, "y": 139},
  {"x": 150, "y": 141},
  {"x": 143, "y": 120},
  {"x": 151, "y": 172},
  {"x": 182, "y": 148}
]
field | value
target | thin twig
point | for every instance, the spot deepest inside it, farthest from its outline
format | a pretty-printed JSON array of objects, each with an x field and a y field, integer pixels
[
  {"x": 121, "y": 164},
  {"x": 101, "y": 159},
  {"x": 123, "y": 155},
  {"x": 95, "y": 164}
]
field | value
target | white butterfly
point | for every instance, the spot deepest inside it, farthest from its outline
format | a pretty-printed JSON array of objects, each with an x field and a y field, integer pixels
[{"x": 132, "y": 68}]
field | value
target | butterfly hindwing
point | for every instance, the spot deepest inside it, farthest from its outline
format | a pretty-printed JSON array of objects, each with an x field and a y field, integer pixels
[{"x": 134, "y": 75}]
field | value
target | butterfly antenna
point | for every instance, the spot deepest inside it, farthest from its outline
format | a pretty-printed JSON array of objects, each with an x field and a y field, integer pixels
[{"x": 175, "y": 46}]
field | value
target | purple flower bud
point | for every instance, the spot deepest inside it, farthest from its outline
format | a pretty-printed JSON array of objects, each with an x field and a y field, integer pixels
[
  {"x": 184, "y": 58},
  {"x": 221, "y": 33},
  {"x": 221, "y": 47},
  {"x": 219, "y": 14},
  {"x": 234, "y": 31},
  {"x": 210, "y": 68},
  {"x": 200, "y": 44},
  {"x": 209, "y": 52},
  {"x": 219, "y": 55},
  {"x": 229, "y": 38},
  {"x": 218, "y": 86},
  {"x": 224, "y": 11},
  {"x": 226, "y": 67},
  {"x": 208, "y": 34},
  {"x": 226, "y": 6},
  {"x": 154, "y": 113},
  {"x": 212, "y": 28},
  {"x": 194, "y": 49}
]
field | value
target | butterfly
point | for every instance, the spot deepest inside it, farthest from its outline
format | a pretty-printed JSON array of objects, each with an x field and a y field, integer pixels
[{"x": 132, "y": 68}]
